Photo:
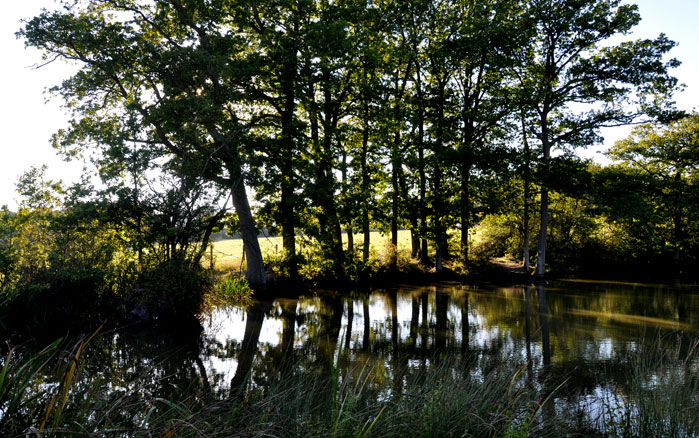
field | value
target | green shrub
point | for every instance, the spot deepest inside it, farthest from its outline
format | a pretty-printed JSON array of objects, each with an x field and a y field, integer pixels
[
  {"x": 172, "y": 289},
  {"x": 495, "y": 236},
  {"x": 230, "y": 291}
]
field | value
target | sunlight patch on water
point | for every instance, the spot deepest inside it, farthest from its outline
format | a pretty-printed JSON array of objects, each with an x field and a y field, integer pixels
[{"x": 632, "y": 319}]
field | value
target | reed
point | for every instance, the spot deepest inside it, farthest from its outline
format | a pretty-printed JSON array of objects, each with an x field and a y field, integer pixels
[{"x": 444, "y": 396}]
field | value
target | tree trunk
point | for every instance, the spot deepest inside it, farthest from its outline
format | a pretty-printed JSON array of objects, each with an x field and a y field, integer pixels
[
  {"x": 438, "y": 207},
  {"x": 327, "y": 179},
  {"x": 329, "y": 224},
  {"x": 365, "y": 185},
  {"x": 422, "y": 231},
  {"x": 465, "y": 207},
  {"x": 438, "y": 231},
  {"x": 527, "y": 188},
  {"x": 543, "y": 230},
  {"x": 544, "y": 211},
  {"x": 367, "y": 238},
  {"x": 414, "y": 241},
  {"x": 396, "y": 166},
  {"x": 255, "y": 274},
  {"x": 394, "y": 200},
  {"x": 288, "y": 134},
  {"x": 678, "y": 231},
  {"x": 350, "y": 237},
  {"x": 466, "y": 156}
]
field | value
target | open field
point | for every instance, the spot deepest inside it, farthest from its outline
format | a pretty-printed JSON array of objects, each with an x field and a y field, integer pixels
[{"x": 228, "y": 253}]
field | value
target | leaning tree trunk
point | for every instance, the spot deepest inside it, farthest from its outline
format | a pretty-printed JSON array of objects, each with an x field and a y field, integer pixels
[{"x": 255, "y": 274}]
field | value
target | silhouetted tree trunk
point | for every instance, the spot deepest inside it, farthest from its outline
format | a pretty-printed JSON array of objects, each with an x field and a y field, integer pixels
[
  {"x": 544, "y": 209},
  {"x": 527, "y": 188},
  {"x": 255, "y": 274},
  {"x": 288, "y": 135},
  {"x": 366, "y": 230}
]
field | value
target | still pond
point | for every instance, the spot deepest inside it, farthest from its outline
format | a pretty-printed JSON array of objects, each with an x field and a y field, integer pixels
[{"x": 579, "y": 333}]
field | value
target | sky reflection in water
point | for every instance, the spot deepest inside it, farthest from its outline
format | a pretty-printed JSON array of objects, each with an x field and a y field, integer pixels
[{"x": 573, "y": 330}]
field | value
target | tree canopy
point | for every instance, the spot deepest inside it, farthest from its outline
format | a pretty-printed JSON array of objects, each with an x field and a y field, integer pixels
[{"x": 315, "y": 117}]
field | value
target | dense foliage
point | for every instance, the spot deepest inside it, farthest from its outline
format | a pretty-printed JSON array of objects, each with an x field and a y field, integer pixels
[{"x": 311, "y": 118}]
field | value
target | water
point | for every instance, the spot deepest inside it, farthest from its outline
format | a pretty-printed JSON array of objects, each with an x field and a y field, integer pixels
[
  {"x": 580, "y": 333},
  {"x": 570, "y": 327}
]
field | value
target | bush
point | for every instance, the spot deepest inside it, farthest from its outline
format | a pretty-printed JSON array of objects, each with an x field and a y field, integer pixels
[
  {"x": 171, "y": 290},
  {"x": 495, "y": 236},
  {"x": 230, "y": 291}
]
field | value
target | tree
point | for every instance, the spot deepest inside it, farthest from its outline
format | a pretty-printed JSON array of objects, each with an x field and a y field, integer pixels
[
  {"x": 485, "y": 42},
  {"x": 575, "y": 84},
  {"x": 669, "y": 153},
  {"x": 277, "y": 31},
  {"x": 172, "y": 70}
]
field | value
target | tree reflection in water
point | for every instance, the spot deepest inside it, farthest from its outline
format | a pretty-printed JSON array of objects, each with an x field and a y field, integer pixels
[
  {"x": 587, "y": 331},
  {"x": 248, "y": 349}
]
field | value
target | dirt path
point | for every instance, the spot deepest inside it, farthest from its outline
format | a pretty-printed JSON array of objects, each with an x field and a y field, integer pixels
[
  {"x": 508, "y": 273},
  {"x": 509, "y": 267}
]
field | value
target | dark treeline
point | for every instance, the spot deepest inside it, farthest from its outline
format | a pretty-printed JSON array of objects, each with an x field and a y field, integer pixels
[{"x": 316, "y": 118}]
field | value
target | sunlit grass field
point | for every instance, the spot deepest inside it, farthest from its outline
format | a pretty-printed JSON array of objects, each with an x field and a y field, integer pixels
[{"x": 228, "y": 253}]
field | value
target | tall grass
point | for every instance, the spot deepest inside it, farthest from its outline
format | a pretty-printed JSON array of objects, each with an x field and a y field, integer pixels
[
  {"x": 441, "y": 397},
  {"x": 439, "y": 400},
  {"x": 30, "y": 400},
  {"x": 660, "y": 394}
]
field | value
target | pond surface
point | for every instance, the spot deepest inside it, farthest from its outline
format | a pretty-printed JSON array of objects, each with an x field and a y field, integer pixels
[
  {"x": 582, "y": 333},
  {"x": 571, "y": 329}
]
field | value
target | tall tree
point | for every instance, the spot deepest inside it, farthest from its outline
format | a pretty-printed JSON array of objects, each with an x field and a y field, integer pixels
[
  {"x": 575, "y": 84},
  {"x": 485, "y": 41},
  {"x": 670, "y": 155},
  {"x": 328, "y": 67},
  {"x": 170, "y": 66},
  {"x": 440, "y": 68},
  {"x": 276, "y": 33}
]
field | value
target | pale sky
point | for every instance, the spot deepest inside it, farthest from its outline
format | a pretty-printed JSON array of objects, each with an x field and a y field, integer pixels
[{"x": 27, "y": 120}]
